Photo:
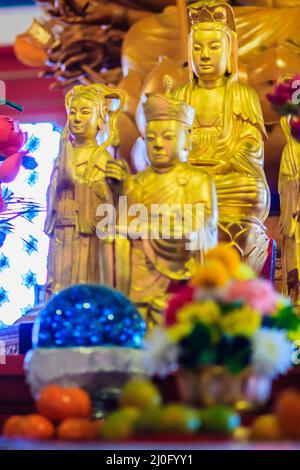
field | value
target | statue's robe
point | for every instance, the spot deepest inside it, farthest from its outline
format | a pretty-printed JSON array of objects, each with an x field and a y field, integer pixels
[
  {"x": 157, "y": 262},
  {"x": 289, "y": 191},
  {"x": 234, "y": 136},
  {"x": 76, "y": 189}
]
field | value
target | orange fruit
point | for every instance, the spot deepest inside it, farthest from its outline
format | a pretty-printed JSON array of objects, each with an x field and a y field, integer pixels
[
  {"x": 287, "y": 410},
  {"x": 38, "y": 427},
  {"x": 34, "y": 426},
  {"x": 14, "y": 426},
  {"x": 77, "y": 429},
  {"x": 83, "y": 401},
  {"x": 266, "y": 428},
  {"x": 58, "y": 403}
]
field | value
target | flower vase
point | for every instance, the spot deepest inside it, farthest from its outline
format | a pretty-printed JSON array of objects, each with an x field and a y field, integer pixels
[{"x": 214, "y": 385}]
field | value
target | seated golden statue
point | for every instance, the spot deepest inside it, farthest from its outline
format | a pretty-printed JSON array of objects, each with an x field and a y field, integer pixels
[
  {"x": 268, "y": 47},
  {"x": 228, "y": 130},
  {"x": 77, "y": 187},
  {"x": 165, "y": 252},
  {"x": 289, "y": 190}
]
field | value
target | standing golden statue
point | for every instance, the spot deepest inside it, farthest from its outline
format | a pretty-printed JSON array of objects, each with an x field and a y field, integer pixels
[
  {"x": 289, "y": 222},
  {"x": 228, "y": 130},
  {"x": 179, "y": 198},
  {"x": 78, "y": 186}
]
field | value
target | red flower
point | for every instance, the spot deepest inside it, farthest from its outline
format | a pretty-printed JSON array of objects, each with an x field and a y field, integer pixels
[
  {"x": 278, "y": 99},
  {"x": 295, "y": 127},
  {"x": 12, "y": 139},
  {"x": 283, "y": 94},
  {"x": 183, "y": 297}
]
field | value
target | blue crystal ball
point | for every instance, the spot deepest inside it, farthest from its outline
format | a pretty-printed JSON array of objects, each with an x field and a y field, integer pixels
[{"x": 89, "y": 315}]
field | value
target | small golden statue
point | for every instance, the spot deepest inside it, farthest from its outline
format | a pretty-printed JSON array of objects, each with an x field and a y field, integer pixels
[
  {"x": 172, "y": 192},
  {"x": 289, "y": 222},
  {"x": 228, "y": 130},
  {"x": 78, "y": 186}
]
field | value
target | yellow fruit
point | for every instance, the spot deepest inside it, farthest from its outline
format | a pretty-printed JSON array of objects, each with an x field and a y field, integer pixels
[
  {"x": 266, "y": 428},
  {"x": 148, "y": 421},
  {"x": 179, "y": 419},
  {"x": 119, "y": 425},
  {"x": 140, "y": 394}
]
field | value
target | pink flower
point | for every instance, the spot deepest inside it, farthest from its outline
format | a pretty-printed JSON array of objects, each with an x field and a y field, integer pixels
[{"x": 259, "y": 294}]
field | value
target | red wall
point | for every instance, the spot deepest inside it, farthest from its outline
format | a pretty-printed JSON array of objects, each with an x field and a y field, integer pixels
[{"x": 24, "y": 87}]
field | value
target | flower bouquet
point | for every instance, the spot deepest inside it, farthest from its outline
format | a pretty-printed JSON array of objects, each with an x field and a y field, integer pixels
[
  {"x": 225, "y": 336},
  {"x": 285, "y": 100}
]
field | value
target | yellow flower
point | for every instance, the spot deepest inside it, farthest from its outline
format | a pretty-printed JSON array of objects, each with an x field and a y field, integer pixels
[
  {"x": 244, "y": 273},
  {"x": 294, "y": 335},
  {"x": 207, "y": 312},
  {"x": 212, "y": 274},
  {"x": 227, "y": 255},
  {"x": 244, "y": 321},
  {"x": 179, "y": 331}
]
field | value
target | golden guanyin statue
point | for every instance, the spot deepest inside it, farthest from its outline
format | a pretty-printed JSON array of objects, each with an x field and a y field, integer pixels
[
  {"x": 78, "y": 186},
  {"x": 289, "y": 222},
  {"x": 228, "y": 130},
  {"x": 166, "y": 253}
]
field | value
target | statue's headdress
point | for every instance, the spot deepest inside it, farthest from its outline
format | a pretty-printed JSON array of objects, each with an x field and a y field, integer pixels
[
  {"x": 214, "y": 11},
  {"x": 103, "y": 97},
  {"x": 160, "y": 107}
]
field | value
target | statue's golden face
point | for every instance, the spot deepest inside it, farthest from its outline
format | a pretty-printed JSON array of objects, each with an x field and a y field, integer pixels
[
  {"x": 210, "y": 54},
  {"x": 167, "y": 143},
  {"x": 83, "y": 118}
]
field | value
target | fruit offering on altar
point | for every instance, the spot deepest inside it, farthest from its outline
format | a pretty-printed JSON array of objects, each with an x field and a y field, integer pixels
[
  {"x": 65, "y": 414},
  {"x": 227, "y": 335}
]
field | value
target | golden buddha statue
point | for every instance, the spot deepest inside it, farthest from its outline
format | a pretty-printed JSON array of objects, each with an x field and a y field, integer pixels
[
  {"x": 78, "y": 186},
  {"x": 289, "y": 223},
  {"x": 165, "y": 252},
  {"x": 228, "y": 130}
]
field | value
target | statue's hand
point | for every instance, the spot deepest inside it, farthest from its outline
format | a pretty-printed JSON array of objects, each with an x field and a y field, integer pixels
[
  {"x": 116, "y": 170},
  {"x": 223, "y": 168}
]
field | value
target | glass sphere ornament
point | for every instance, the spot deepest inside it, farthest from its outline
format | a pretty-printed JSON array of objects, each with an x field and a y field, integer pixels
[{"x": 89, "y": 315}]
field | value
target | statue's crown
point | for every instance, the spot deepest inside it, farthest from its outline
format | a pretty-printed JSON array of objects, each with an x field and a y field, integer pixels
[
  {"x": 159, "y": 107},
  {"x": 212, "y": 11}
]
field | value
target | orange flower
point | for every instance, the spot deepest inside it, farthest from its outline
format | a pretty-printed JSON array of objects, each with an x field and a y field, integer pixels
[
  {"x": 212, "y": 274},
  {"x": 227, "y": 255}
]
